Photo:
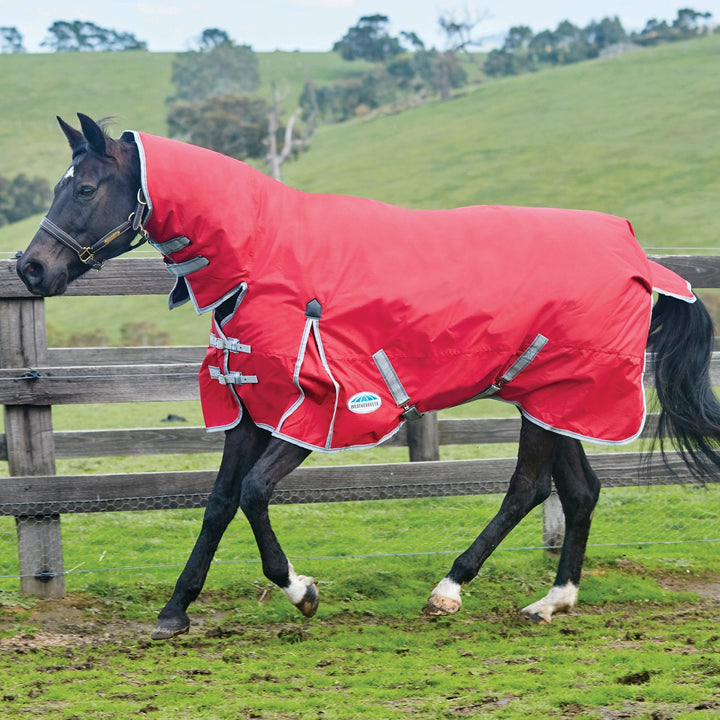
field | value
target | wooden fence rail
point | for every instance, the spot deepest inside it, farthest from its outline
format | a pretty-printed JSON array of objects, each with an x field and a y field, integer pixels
[{"x": 34, "y": 377}]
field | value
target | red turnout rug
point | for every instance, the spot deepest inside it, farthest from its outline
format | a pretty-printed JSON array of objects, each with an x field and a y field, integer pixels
[{"x": 348, "y": 316}]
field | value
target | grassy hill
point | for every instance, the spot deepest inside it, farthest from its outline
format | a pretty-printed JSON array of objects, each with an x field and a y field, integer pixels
[
  {"x": 637, "y": 136},
  {"x": 130, "y": 87}
]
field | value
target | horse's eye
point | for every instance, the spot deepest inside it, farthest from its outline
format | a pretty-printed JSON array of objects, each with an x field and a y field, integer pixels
[{"x": 86, "y": 191}]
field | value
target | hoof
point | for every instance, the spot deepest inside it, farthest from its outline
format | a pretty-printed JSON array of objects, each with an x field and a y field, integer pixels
[
  {"x": 167, "y": 628},
  {"x": 311, "y": 599},
  {"x": 559, "y": 599},
  {"x": 438, "y": 605},
  {"x": 535, "y": 617}
]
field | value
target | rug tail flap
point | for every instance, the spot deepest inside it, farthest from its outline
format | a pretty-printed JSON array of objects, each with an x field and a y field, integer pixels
[{"x": 667, "y": 282}]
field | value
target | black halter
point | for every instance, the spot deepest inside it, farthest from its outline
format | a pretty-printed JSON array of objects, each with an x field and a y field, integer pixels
[{"x": 87, "y": 253}]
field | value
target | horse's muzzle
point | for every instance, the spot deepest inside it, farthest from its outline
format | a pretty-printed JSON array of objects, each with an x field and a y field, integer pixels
[{"x": 38, "y": 280}]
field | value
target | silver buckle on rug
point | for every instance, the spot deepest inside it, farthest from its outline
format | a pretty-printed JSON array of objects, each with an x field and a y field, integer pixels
[
  {"x": 231, "y": 378},
  {"x": 232, "y": 345}
]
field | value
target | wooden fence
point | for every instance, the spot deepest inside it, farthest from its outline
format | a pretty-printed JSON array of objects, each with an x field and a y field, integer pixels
[{"x": 34, "y": 377}]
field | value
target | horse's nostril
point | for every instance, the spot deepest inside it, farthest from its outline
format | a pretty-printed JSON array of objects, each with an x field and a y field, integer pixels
[
  {"x": 30, "y": 271},
  {"x": 33, "y": 269}
]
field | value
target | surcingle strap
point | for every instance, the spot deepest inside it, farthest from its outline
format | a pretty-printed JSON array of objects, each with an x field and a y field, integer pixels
[
  {"x": 186, "y": 268},
  {"x": 395, "y": 386},
  {"x": 168, "y": 247},
  {"x": 231, "y": 378},
  {"x": 515, "y": 369},
  {"x": 232, "y": 345}
]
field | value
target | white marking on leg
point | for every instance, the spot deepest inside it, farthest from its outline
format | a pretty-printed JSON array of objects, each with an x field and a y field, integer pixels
[
  {"x": 449, "y": 589},
  {"x": 444, "y": 599},
  {"x": 297, "y": 586},
  {"x": 559, "y": 598}
]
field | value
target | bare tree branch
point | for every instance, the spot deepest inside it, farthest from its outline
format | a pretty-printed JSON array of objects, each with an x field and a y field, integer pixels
[{"x": 275, "y": 159}]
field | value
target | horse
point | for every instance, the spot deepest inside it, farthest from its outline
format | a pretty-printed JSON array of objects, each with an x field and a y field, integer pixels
[{"x": 120, "y": 192}]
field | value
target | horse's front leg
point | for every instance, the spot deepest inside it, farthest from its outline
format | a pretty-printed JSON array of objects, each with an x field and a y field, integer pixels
[
  {"x": 244, "y": 446},
  {"x": 529, "y": 486}
]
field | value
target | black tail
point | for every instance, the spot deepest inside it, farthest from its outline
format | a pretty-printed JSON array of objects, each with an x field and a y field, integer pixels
[{"x": 681, "y": 336}]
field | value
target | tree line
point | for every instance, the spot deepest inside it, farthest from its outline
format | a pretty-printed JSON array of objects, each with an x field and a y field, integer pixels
[
  {"x": 73, "y": 36},
  {"x": 215, "y": 105},
  {"x": 406, "y": 71},
  {"x": 525, "y": 51}
]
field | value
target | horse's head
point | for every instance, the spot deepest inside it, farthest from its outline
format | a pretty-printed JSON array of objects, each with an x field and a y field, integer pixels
[{"x": 94, "y": 216}]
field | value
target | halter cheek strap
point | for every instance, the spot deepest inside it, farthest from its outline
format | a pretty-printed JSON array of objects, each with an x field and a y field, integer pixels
[{"x": 87, "y": 253}]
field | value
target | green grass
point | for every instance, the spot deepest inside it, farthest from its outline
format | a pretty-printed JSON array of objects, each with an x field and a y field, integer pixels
[
  {"x": 645, "y": 652},
  {"x": 368, "y": 671},
  {"x": 35, "y": 88}
]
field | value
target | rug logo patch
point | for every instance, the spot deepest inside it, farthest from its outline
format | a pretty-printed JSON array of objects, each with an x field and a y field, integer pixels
[{"x": 363, "y": 403}]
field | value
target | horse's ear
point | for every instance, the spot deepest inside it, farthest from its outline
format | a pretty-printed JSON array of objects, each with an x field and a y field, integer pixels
[
  {"x": 74, "y": 137},
  {"x": 93, "y": 134}
]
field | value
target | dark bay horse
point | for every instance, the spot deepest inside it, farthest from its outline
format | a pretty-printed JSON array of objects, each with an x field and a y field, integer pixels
[{"x": 100, "y": 207}]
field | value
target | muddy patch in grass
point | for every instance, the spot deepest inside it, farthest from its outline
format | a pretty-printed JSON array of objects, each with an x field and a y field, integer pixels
[{"x": 706, "y": 587}]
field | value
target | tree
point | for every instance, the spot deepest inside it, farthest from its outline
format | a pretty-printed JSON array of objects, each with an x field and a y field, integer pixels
[
  {"x": 458, "y": 38},
  {"x": 609, "y": 31},
  {"x": 79, "y": 36},
  {"x": 11, "y": 41},
  {"x": 22, "y": 196},
  {"x": 309, "y": 107},
  {"x": 439, "y": 71},
  {"x": 212, "y": 37},
  {"x": 343, "y": 101},
  {"x": 518, "y": 38},
  {"x": 524, "y": 52},
  {"x": 458, "y": 33},
  {"x": 368, "y": 40},
  {"x": 213, "y": 106},
  {"x": 234, "y": 125},
  {"x": 690, "y": 22},
  {"x": 224, "y": 69},
  {"x": 502, "y": 62},
  {"x": 278, "y": 153},
  {"x": 332, "y": 103},
  {"x": 403, "y": 70},
  {"x": 654, "y": 31}
]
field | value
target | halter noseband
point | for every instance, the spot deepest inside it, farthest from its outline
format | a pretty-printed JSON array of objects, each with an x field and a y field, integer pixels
[{"x": 87, "y": 253}]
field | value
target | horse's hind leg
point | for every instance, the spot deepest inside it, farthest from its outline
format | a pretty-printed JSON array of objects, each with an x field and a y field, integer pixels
[
  {"x": 529, "y": 486},
  {"x": 578, "y": 488},
  {"x": 247, "y": 447}
]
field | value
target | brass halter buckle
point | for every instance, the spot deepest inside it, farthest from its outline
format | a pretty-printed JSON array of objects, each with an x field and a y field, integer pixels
[{"x": 87, "y": 256}]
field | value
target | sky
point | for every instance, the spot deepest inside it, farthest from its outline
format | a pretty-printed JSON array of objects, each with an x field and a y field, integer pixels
[{"x": 314, "y": 25}]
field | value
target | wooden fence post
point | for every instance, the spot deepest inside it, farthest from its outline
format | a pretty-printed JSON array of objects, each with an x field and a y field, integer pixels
[
  {"x": 553, "y": 524},
  {"x": 423, "y": 438},
  {"x": 31, "y": 447}
]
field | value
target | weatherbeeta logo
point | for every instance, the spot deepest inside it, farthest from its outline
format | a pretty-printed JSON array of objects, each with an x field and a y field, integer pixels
[{"x": 364, "y": 402}]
